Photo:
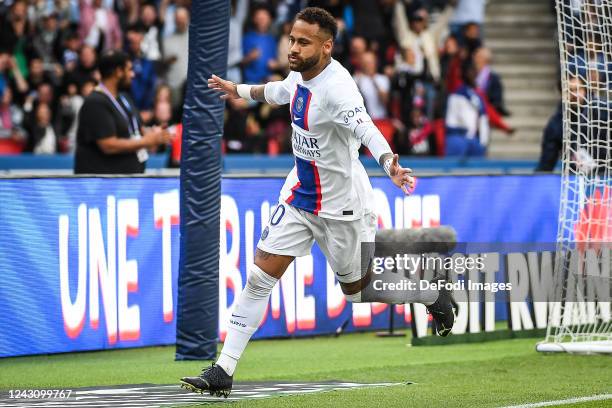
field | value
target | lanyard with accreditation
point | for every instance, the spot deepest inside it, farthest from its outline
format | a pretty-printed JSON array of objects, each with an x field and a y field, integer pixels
[{"x": 129, "y": 118}]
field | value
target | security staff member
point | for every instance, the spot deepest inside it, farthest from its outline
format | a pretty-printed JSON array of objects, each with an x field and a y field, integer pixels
[{"x": 110, "y": 139}]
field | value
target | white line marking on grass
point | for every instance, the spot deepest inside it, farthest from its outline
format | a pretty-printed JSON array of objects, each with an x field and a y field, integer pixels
[{"x": 600, "y": 397}]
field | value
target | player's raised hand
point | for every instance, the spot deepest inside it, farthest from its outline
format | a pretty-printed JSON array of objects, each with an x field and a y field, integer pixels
[
  {"x": 401, "y": 177},
  {"x": 227, "y": 88}
]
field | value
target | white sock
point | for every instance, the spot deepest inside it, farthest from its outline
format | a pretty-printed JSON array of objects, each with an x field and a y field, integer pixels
[{"x": 245, "y": 318}]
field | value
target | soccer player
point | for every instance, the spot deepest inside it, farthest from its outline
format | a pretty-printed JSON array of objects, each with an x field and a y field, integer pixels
[{"x": 327, "y": 196}]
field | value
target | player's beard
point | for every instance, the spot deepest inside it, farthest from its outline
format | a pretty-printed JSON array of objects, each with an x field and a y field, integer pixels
[{"x": 302, "y": 65}]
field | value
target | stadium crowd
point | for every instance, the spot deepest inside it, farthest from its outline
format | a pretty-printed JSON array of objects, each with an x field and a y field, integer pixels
[{"x": 421, "y": 65}]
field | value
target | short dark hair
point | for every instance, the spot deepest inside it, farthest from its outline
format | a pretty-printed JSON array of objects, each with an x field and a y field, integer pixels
[
  {"x": 110, "y": 61},
  {"x": 320, "y": 17}
]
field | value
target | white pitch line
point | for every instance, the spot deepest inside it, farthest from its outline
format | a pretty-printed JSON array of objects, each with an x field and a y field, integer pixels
[{"x": 600, "y": 397}]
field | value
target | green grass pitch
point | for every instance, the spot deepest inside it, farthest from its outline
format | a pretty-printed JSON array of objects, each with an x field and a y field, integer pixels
[{"x": 491, "y": 374}]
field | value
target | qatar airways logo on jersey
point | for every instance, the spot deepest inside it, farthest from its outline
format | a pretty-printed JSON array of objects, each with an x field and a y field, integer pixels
[
  {"x": 103, "y": 266},
  {"x": 305, "y": 146}
]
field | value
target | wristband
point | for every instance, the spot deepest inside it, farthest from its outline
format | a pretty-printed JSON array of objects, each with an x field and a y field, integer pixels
[
  {"x": 244, "y": 91},
  {"x": 387, "y": 166}
]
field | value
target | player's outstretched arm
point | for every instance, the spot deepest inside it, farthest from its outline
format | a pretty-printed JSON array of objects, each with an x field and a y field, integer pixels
[{"x": 231, "y": 90}]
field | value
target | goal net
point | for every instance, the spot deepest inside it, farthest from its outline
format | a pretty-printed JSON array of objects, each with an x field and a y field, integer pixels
[{"x": 580, "y": 318}]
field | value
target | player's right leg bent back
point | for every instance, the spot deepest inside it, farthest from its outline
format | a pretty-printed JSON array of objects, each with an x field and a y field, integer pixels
[{"x": 349, "y": 248}]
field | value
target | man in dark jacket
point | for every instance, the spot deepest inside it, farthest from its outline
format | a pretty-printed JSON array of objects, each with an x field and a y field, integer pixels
[
  {"x": 552, "y": 141},
  {"x": 110, "y": 138},
  {"x": 488, "y": 81},
  {"x": 589, "y": 138}
]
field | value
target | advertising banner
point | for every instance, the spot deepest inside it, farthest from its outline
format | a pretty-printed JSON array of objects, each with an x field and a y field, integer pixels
[{"x": 92, "y": 263}]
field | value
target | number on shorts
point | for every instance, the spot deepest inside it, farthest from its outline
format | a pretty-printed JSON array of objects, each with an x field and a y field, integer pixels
[{"x": 276, "y": 217}]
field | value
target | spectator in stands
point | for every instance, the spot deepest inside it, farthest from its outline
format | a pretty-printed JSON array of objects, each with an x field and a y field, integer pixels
[
  {"x": 240, "y": 10},
  {"x": 552, "y": 141},
  {"x": 413, "y": 32},
  {"x": 470, "y": 38},
  {"x": 467, "y": 124},
  {"x": 67, "y": 12},
  {"x": 283, "y": 49},
  {"x": 109, "y": 133},
  {"x": 552, "y": 138},
  {"x": 176, "y": 47},
  {"x": 374, "y": 87},
  {"x": 167, "y": 15},
  {"x": 10, "y": 75},
  {"x": 144, "y": 81},
  {"x": 467, "y": 11},
  {"x": 70, "y": 104},
  {"x": 259, "y": 48},
  {"x": 14, "y": 32},
  {"x": 452, "y": 58},
  {"x": 48, "y": 42},
  {"x": 358, "y": 47},
  {"x": 410, "y": 61},
  {"x": 43, "y": 137},
  {"x": 162, "y": 114},
  {"x": 70, "y": 52},
  {"x": 86, "y": 69},
  {"x": 422, "y": 134},
  {"x": 406, "y": 73},
  {"x": 99, "y": 26},
  {"x": 43, "y": 94},
  {"x": 488, "y": 81},
  {"x": 152, "y": 33},
  {"x": 235, "y": 127},
  {"x": 88, "y": 87},
  {"x": 163, "y": 93},
  {"x": 12, "y": 134},
  {"x": 37, "y": 74}
]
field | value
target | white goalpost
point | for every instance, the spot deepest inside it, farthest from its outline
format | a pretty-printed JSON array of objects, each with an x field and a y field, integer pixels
[{"x": 580, "y": 318}]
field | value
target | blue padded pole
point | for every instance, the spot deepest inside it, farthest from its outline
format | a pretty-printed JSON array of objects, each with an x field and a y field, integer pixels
[{"x": 198, "y": 283}]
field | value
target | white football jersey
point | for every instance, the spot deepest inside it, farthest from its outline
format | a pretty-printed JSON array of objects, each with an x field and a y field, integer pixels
[{"x": 328, "y": 179}]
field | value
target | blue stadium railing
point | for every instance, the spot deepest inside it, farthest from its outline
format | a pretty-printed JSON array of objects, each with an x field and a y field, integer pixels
[{"x": 261, "y": 164}]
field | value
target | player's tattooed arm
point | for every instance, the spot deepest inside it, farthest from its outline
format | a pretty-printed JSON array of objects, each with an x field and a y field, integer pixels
[
  {"x": 383, "y": 159},
  {"x": 230, "y": 90},
  {"x": 257, "y": 93}
]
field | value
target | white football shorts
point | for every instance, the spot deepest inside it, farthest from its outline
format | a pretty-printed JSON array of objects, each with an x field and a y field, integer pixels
[{"x": 291, "y": 231}]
